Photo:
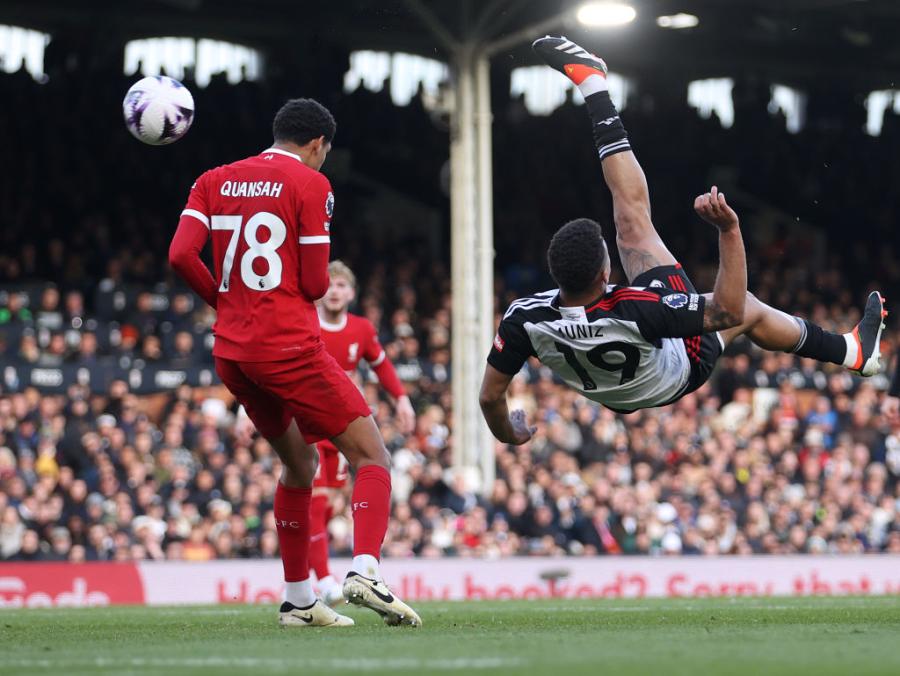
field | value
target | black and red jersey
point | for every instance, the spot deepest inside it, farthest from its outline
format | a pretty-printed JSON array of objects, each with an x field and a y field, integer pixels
[{"x": 625, "y": 350}]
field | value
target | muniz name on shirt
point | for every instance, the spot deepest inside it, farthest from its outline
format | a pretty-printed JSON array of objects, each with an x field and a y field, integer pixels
[
  {"x": 251, "y": 189},
  {"x": 576, "y": 331}
]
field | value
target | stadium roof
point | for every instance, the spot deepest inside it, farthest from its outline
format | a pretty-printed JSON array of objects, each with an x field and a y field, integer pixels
[{"x": 794, "y": 40}]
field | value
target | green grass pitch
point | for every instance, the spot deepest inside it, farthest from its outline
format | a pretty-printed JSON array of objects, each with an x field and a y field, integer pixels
[{"x": 558, "y": 637}]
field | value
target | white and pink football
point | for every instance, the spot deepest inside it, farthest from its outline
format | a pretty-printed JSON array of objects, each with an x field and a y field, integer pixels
[{"x": 158, "y": 110}]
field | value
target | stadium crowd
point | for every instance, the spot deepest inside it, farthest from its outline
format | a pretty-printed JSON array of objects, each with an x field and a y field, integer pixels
[{"x": 774, "y": 455}]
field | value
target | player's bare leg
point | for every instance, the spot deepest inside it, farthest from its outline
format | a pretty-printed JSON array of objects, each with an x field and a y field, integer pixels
[
  {"x": 299, "y": 460},
  {"x": 640, "y": 246},
  {"x": 771, "y": 329},
  {"x": 362, "y": 445},
  {"x": 301, "y": 608}
]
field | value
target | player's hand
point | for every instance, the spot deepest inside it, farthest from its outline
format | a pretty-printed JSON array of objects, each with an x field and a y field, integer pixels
[
  {"x": 522, "y": 432},
  {"x": 713, "y": 209},
  {"x": 405, "y": 415},
  {"x": 890, "y": 409}
]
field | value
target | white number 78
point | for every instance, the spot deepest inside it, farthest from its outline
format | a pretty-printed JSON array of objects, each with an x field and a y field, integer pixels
[{"x": 256, "y": 249}]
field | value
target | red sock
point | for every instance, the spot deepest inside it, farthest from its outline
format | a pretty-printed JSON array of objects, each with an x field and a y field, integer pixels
[
  {"x": 371, "y": 509},
  {"x": 318, "y": 535},
  {"x": 292, "y": 522}
]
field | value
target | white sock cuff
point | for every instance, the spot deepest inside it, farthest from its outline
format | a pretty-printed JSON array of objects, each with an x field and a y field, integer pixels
[
  {"x": 852, "y": 351},
  {"x": 613, "y": 148},
  {"x": 803, "y": 334},
  {"x": 366, "y": 565},
  {"x": 593, "y": 84},
  {"x": 300, "y": 593}
]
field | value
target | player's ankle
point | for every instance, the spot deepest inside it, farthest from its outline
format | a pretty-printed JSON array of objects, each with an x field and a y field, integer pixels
[
  {"x": 366, "y": 565},
  {"x": 590, "y": 85},
  {"x": 610, "y": 136},
  {"x": 853, "y": 358},
  {"x": 300, "y": 593}
]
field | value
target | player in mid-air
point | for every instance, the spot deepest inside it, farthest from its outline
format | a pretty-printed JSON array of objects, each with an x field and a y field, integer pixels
[
  {"x": 269, "y": 218},
  {"x": 651, "y": 343},
  {"x": 350, "y": 339}
]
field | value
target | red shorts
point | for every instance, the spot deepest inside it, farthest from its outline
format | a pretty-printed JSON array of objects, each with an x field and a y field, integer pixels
[
  {"x": 313, "y": 390},
  {"x": 333, "y": 467}
]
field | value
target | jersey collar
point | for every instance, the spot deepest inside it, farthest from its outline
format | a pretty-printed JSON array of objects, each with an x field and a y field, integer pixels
[
  {"x": 555, "y": 303},
  {"x": 279, "y": 151},
  {"x": 333, "y": 327}
]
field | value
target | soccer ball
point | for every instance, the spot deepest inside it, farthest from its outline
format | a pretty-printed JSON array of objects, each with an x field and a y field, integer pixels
[{"x": 158, "y": 110}]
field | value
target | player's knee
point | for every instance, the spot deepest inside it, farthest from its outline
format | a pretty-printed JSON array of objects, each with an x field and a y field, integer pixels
[
  {"x": 374, "y": 456},
  {"x": 753, "y": 309}
]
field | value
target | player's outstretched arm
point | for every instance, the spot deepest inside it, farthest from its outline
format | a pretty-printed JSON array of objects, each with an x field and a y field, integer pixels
[
  {"x": 726, "y": 307},
  {"x": 510, "y": 428}
]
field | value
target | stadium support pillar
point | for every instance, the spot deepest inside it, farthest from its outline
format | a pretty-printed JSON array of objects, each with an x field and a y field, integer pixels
[
  {"x": 472, "y": 245},
  {"x": 471, "y": 213}
]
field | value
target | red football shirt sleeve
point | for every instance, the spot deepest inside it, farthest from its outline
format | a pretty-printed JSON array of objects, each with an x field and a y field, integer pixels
[
  {"x": 189, "y": 240},
  {"x": 384, "y": 369},
  {"x": 316, "y": 210}
]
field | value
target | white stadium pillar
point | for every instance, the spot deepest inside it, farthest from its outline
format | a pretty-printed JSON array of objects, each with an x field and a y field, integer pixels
[
  {"x": 472, "y": 245},
  {"x": 472, "y": 219}
]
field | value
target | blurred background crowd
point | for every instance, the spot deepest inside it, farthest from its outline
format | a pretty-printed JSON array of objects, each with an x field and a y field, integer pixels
[{"x": 774, "y": 455}]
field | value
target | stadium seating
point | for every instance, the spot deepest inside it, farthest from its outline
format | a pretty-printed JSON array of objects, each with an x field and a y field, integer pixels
[{"x": 132, "y": 454}]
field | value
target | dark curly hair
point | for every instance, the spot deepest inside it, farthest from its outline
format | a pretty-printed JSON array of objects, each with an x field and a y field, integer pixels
[
  {"x": 302, "y": 120},
  {"x": 577, "y": 254}
]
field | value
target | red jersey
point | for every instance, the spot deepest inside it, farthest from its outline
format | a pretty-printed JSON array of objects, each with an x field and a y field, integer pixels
[
  {"x": 260, "y": 213},
  {"x": 355, "y": 339},
  {"x": 351, "y": 341}
]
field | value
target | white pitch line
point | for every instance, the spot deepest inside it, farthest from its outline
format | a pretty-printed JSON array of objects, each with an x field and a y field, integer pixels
[{"x": 359, "y": 663}]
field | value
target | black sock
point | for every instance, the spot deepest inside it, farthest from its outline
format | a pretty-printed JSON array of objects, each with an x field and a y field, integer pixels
[
  {"x": 609, "y": 132},
  {"x": 819, "y": 344}
]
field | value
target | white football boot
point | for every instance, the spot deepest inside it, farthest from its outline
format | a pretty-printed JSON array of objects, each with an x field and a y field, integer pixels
[
  {"x": 867, "y": 337},
  {"x": 317, "y": 615},
  {"x": 375, "y": 595}
]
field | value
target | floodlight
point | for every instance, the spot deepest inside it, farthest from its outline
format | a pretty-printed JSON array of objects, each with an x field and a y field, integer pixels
[
  {"x": 604, "y": 14},
  {"x": 675, "y": 21}
]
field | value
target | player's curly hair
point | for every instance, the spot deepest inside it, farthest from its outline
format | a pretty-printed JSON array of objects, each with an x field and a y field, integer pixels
[
  {"x": 577, "y": 254},
  {"x": 302, "y": 120}
]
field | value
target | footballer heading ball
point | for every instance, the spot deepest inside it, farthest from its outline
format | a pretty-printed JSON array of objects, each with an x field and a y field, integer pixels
[{"x": 158, "y": 110}]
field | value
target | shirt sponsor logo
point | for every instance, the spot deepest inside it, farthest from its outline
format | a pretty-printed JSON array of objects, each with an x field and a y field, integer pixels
[
  {"x": 676, "y": 300},
  {"x": 251, "y": 189},
  {"x": 498, "y": 343}
]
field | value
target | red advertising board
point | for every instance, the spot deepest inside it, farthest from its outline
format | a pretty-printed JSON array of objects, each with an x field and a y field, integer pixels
[
  {"x": 32, "y": 585},
  {"x": 47, "y": 585}
]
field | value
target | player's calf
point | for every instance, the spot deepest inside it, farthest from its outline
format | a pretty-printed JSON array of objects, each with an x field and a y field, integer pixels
[{"x": 858, "y": 350}]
